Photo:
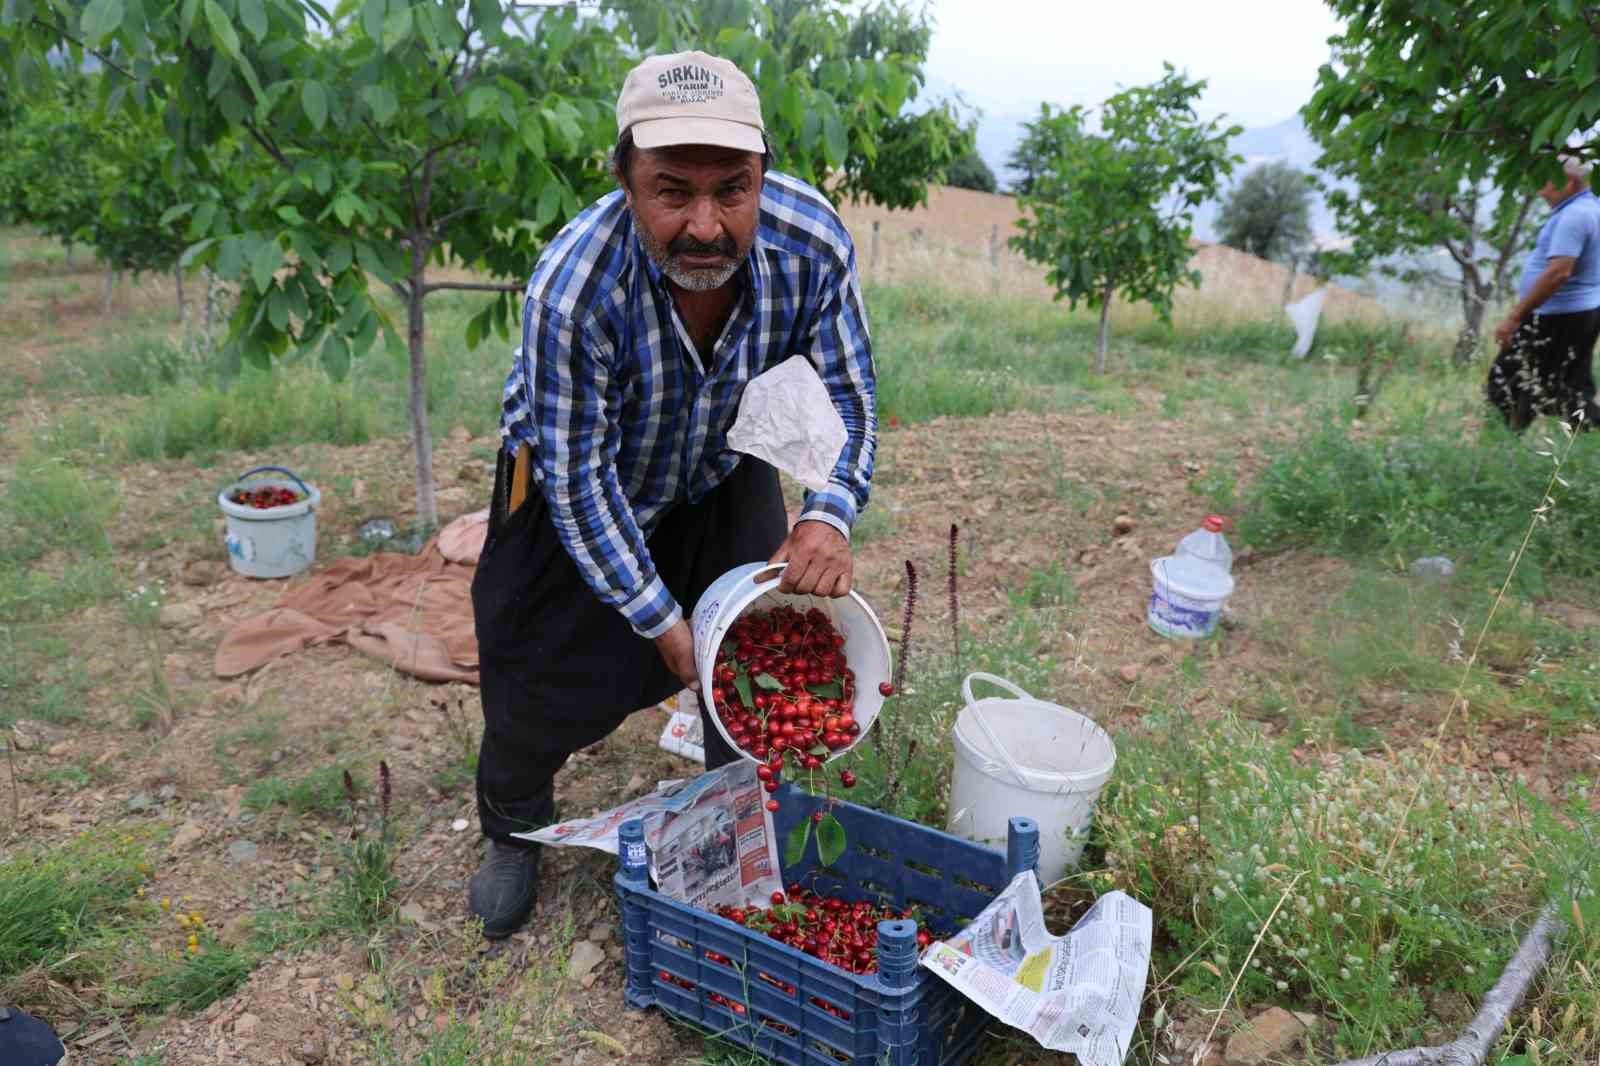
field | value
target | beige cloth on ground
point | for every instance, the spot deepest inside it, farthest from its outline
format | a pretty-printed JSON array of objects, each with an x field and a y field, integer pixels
[{"x": 412, "y": 611}]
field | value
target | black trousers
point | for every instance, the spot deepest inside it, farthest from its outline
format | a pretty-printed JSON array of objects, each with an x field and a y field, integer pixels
[
  {"x": 1548, "y": 368},
  {"x": 560, "y": 670}
]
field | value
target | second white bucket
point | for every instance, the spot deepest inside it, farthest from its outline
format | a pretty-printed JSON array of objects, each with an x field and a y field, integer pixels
[{"x": 1021, "y": 755}]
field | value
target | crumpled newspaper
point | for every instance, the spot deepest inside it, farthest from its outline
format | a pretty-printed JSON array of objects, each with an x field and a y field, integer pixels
[{"x": 787, "y": 419}]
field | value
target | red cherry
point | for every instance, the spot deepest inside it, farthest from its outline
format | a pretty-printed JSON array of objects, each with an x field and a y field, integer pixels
[
  {"x": 777, "y": 899},
  {"x": 886, "y": 689},
  {"x": 847, "y": 779},
  {"x": 816, "y": 817},
  {"x": 772, "y": 805}
]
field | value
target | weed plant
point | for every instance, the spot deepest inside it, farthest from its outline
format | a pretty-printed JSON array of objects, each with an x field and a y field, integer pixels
[
  {"x": 320, "y": 791},
  {"x": 56, "y": 901},
  {"x": 1211, "y": 824},
  {"x": 1423, "y": 487}
]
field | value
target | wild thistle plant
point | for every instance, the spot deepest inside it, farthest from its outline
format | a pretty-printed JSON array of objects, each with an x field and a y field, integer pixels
[{"x": 906, "y": 619}]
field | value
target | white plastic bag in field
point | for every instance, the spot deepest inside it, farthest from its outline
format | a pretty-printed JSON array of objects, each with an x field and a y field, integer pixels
[{"x": 1304, "y": 313}]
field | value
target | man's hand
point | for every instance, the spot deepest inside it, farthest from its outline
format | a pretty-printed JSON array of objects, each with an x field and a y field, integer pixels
[
  {"x": 1503, "y": 332},
  {"x": 819, "y": 560},
  {"x": 676, "y": 646}
]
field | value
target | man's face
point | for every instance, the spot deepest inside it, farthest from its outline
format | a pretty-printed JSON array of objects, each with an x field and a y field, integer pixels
[
  {"x": 1560, "y": 188},
  {"x": 696, "y": 208}
]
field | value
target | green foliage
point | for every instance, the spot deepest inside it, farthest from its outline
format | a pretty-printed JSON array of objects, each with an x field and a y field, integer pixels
[
  {"x": 123, "y": 366},
  {"x": 971, "y": 172},
  {"x": 944, "y": 354},
  {"x": 47, "y": 159},
  {"x": 260, "y": 408},
  {"x": 835, "y": 81},
  {"x": 53, "y": 899},
  {"x": 1400, "y": 210},
  {"x": 1478, "y": 87},
  {"x": 1422, "y": 489},
  {"x": 197, "y": 980},
  {"x": 321, "y": 791},
  {"x": 1210, "y": 824},
  {"x": 1268, "y": 214},
  {"x": 88, "y": 178},
  {"x": 50, "y": 505},
  {"x": 1110, "y": 211}
]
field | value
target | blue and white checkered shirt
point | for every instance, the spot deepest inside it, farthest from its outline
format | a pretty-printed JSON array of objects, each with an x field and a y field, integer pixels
[{"x": 622, "y": 421}]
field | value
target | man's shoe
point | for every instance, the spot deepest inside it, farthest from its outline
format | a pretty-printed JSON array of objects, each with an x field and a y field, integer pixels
[{"x": 503, "y": 890}]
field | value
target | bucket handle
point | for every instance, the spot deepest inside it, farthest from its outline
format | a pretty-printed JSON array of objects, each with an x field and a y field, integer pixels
[
  {"x": 274, "y": 470},
  {"x": 983, "y": 723}
]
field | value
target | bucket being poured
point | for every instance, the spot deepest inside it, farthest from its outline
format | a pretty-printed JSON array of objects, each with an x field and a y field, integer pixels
[
  {"x": 1187, "y": 595},
  {"x": 754, "y": 586},
  {"x": 1021, "y": 755}
]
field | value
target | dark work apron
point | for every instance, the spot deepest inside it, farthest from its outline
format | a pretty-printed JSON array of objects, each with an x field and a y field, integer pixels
[{"x": 560, "y": 670}]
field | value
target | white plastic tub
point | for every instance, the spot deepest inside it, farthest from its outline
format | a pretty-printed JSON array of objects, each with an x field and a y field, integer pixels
[
  {"x": 866, "y": 648},
  {"x": 273, "y": 541},
  {"x": 1186, "y": 596},
  {"x": 1021, "y": 755}
]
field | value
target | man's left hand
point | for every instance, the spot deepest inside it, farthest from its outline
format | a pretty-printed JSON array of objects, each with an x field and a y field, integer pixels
[
  {"x": 1503, "y": 332},
  {"x": 819, "y": 560}
]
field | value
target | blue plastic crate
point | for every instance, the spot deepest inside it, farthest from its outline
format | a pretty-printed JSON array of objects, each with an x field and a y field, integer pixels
[{"x": 777, "y": 999}]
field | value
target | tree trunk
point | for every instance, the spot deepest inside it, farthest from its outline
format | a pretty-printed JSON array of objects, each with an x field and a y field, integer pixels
[
  {"x": 111, "y": 285},
  {"x": 422, "y": 443},
  {"x": 1105, "y": 330},
  {"x": 1294, "y": 273},
  {"x": 210, "y": 279},
  {"x": 183, "y": 306},
  {"x": 1473, "y": 303}
]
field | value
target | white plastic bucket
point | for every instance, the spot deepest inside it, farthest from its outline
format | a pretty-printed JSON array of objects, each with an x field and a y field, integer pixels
[
  {"x": 271, "y": 541},
  {"x": 1022, "y": 755},
  {"x": 1186, "y": 596},
  {"x": 866, "y": 648}
]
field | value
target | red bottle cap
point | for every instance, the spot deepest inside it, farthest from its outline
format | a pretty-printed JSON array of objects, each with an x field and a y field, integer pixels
[{"x": 1213, "y": 523}]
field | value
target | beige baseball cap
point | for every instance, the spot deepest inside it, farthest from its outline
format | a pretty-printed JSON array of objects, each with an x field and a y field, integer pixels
[{"x": 690, "y": 98}]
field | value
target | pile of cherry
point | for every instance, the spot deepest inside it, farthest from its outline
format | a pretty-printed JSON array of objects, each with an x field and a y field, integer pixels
[
  {"x": 264, "y": 497},
  {"x": 833, "y": 930},
  {"x": 781, "y": 685}
]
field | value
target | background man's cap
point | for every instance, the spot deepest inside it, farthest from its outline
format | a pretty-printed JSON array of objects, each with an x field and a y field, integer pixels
[{"x": 690, "y": 98}]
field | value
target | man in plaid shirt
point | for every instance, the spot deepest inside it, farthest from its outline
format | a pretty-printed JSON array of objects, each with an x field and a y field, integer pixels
[{"x": 618, "y": 500}]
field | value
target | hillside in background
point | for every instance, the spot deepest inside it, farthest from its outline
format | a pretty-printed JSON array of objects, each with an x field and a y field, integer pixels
[{"x": 950, "y": 239}]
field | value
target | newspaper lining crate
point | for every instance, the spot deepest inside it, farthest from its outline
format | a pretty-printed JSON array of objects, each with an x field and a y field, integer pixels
[{"x": 796, "y": 1009}]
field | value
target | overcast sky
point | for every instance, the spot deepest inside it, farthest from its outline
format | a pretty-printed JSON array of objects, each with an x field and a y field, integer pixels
[{"x": 1260, "y": 57}]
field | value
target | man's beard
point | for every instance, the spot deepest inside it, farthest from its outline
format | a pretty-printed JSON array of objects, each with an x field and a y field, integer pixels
[{"x": 703, "y": 279}]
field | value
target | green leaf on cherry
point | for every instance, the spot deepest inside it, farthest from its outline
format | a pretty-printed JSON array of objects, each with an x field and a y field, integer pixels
[
  {"x": 794, "y": 848},
  {"x": 742, "y": 683},
  {"x": 833, "y": 690},
  {"x": 770, "y": 683},
  {"x": 819, "y": 750},
  {"x": 830, "y": 839}
]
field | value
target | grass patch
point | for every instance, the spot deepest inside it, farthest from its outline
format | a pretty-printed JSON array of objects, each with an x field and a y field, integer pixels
[
  {"x": 1423, "y": 488},
  {"x": 54, "y": 901},
  {"x": 321, "y": 791},
  {"x": 124, "y": 366},
  {"x": 197, "y": 980},
  {"x": 1210, "y": 824},
  {"x": 50, "y": 505}
]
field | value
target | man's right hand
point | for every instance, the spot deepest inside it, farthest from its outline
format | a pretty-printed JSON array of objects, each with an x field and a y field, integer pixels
[{"x": 676, "y": 646}]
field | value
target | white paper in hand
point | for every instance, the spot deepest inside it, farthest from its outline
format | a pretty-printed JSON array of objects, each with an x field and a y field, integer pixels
[{"x": 787, "y": 419}]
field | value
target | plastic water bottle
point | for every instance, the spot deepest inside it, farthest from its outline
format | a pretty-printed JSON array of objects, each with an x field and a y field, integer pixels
[{"x": 1208, "y": 544}]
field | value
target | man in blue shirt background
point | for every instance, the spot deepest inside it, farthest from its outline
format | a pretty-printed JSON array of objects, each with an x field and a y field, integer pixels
[{"x": 1546, "y": 361}]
